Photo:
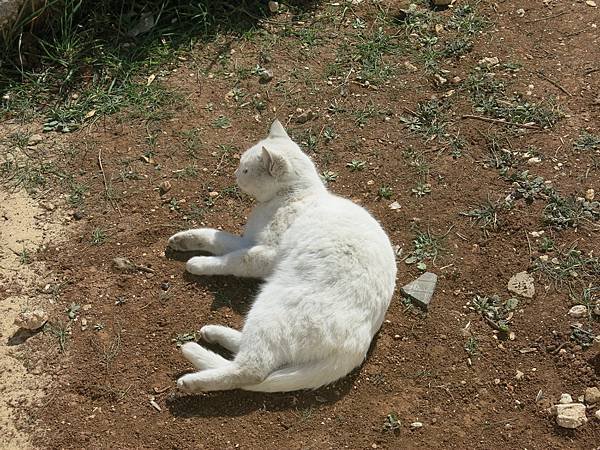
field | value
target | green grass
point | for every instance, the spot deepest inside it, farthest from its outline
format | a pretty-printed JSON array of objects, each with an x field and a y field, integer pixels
[
  {"x": 426, "y": 246},
  {"x": 569, "y": 267},
  {"x": 428, "y": 119},
  {"x": 385, "y": 192},
  {"x": 356, "y": 165},
  {"x": 99, "y": 236},
  {"x": 88, "y": 58},
  {"x": 485, "y": 215},
  {"x": 587, "y": 141},
  {"x": 561, "y": 212}
]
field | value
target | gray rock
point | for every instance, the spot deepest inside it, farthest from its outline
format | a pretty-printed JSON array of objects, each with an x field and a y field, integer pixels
[
  {"x": 578, "y": 311},
  {"x": 565, "y": 398},
  {"x": 420, "y": 291}
]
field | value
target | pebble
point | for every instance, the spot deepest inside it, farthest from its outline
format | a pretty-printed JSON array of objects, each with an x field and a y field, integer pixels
[
  {"x": 420, "y": 291},
  {"x": 597, "y": 414},
  {"x": 265, "y": 76},
  {"x": 489, "y": 62},
  {"x": 592, "y": 395},
  {"x": 394, "y": 205},
  {"x": 273, "y": 6},
  {"x": 519, "y": 375},
  {"x": 35, "y": 139},
  {"x": 415, "y": 425},
  {"x": 590, "y": 194},
  {"x": 410, "y": 66},
  {"x": 591, "y": 3},
  {"x": 164, "y": 187},
  {"x": 305, "y": 116},
  {"x": 565, "y": 398},
  {"x": 578, "y": 311}
]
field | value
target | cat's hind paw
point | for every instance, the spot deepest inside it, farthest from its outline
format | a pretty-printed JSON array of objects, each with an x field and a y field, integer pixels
[
  {"x": 186, "y": 383},
  {"x": 203, "y": 265}
]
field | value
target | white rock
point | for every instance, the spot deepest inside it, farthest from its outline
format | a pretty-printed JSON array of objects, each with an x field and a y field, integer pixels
[
  {"x": 520, "y": 12},
  {"x": 31, "y": 320},
  {"x": 578, "y": 311},
  {"x": 273, "y": 6},
  {"x": 416, "y": 425},
  {"x": 592, "y": 395},
  {"x": 597, "y": 414},
  {"x": 489, "y": 62},
  {"x": 394, "y": 205},
  {"x": 571, "y": 415},
  {"x": 522, "y": 284},
  {"x": 519, "y": 375},
  {"x": 410, "y": 66},
  {"x": 35, "y": 139},
  {"x": 565, "y": 398},
  {"x": 590, "y": 194}
]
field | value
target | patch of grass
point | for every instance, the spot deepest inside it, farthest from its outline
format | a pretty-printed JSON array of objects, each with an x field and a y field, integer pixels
[
  {"x": 561, "y": 212},
  {"x": 190, "y": 171},
  {"x": 73, "y": 310},
  {"x": 528, "y": 187},
  {"x": 587, "y": 141},
  {"x": 569, "y": 267},
  {"x": 24, "y": 257},
  {"x": 485, "y": 215},
  {"x": 421, "y": 189},
  {"x": 546, "y": 244},
  {"x": 98, "y": 236},
  {"x": 27, "y": 173},
  {"x": 363, "y": 115},
  {"x": 328, "y": 176},
  {"x": 428, "y": 119}
]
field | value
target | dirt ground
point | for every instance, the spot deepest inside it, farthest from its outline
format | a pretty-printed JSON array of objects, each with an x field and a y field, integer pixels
[{"x": 110, "y": 347}]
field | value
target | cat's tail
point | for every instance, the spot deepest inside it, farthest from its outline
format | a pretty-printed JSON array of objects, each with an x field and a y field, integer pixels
[{"x": 310, "y": 376}]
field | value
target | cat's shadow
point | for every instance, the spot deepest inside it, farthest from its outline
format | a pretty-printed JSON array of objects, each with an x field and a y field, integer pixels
[
  {"x": 228, "y": 291},
  {"x": 239, "y": 403}
]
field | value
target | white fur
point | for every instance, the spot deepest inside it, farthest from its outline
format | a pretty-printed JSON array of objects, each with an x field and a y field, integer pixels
[{"x": 330, "y": 273}]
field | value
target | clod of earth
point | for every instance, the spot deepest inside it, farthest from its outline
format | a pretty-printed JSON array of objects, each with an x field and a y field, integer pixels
[
  {"x": 31, "y": 320},
  {"x": 420, "y": 291},
  {"x": 578, "y": 311},
  {"x": 592, "y": 395},
  {"x": 570, "y": 415},
  {"x": 125, "y": 265},
  {"x": 522, "y": 284},
  {"x": 164, "y": 187}
]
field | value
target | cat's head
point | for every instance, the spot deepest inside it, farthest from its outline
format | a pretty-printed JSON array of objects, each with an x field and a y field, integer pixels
[{"x": 274, "y": 164}]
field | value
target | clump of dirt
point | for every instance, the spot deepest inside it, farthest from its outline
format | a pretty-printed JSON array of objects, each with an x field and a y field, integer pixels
[{"x": 25, "y": 228}]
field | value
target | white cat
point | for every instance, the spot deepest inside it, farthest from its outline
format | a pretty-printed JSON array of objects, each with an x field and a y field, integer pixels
[{"x": 330, "y": 273}]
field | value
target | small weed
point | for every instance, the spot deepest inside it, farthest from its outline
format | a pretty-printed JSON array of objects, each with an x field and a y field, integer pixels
[
  {"x": 73, "y": 310},
  {"x": 174, "y": 204},
  {"x": 98, "y": 326},
  {"x": 182, "y": 338},
  {"x": 546, "y": 244},
  {"x": 192, "y": 141},
  {"x": 356, "y": 165},
  {"x": 24, "y": 257},
  {"x": 587, "y": 141},
  {"x": 528, "y": 187},
  {"x": 195, "y": 212},
  {"x": 391, "y": 422},
  {"x": 190, "y": 171},
  {"x": 496, "y": 312},
  {"x": 61, "y": 331},
  {"x": 98, "y": 236},
  {"x": 329, "y": 134},
  {"x": 426, "y": 246},
  {"x": 77, "y": 193},
  {"x": 385, "y": 192},
  {"x": 221, "y": 122},
  {"x": 362, "y": 116},
  {"x": 472, "y": 346},
  {"x": 421, "y": 189},
  {"x": 328, "y": 176}
]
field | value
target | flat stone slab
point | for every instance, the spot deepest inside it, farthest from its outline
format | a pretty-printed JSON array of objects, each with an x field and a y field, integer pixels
[
  {"x": 522, "y": 284},
  {"x": 420, "y": 291}
]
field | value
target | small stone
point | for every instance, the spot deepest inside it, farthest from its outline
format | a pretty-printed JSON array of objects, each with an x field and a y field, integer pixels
[
  {"x": 578, "y": 311},
  {"x": 31, "y": 320},
  {"x": 123, "y": 264},
  {"x": 570, "y": 415},
  {"x": 597, "y": 414},
  {"x": 489, "y": 62},
  {"x": 35, "y": 139},
  {"x": 456, "y": 79},
  {"x": 84, "y": 324},
  {"x": 592, "y": 395},
  {"x": 305, "y": 116},
  {"x": 420, "y": 291},
  {"x": 520, "y": 12},
  {"x": 544, "y": 258},
  {"x": 534, "y": 160},
  {"x": 590, "y": 194},
  {"x": 394, "y": 205},
  {"x": 164, "y": 187},
  {"x": 265, "y": 76},
  {"x": 47, "y": 206},
  {"x": 442, "y": 2},
  {"x": 213, "y": 194},
  {"x": 410, "y": 66},
  {"x": 416, "y": 425},
  {"x": 522, "y": 284},
  {"x": 519, "y": 375},
  {"x": 77, "y": 215},
  {"x": 565, "y": 398},
  {"x": 273, "y": 6},
  {"x": 591, "y": 3}
]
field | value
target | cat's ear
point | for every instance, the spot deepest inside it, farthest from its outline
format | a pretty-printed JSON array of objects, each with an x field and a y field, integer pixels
[
  {"x": 275, "y": 163},
  {"x": 277, "y": 130}
]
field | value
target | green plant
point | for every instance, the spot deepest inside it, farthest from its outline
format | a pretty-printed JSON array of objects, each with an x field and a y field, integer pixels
[
  {"x": 496, "y": 312},
  {"x": 73, "y": 310},
  {"x": 391, "y": 422},
  {"x": 328, "y": 176},
  {"x": 425, "y": 246},
  {"x": 221, "y": 122},
  {"x": 472, "y": 346},
  {"x": 98, "y": 236},
  {"x": 385, "y": 192},
  {"x": 61, "y": 331},
  {"x": 486, "y": 215},
  {"x": 421, "y": 189},
  {"x": 546, "y": 244},
  {"x": 587, "y": 141},
  {"x": 24, "y": 257},
  {"x": 428, "y": 119},
  {"x": 356, "y": 165}
]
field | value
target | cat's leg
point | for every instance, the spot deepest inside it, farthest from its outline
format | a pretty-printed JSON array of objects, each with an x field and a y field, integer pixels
[
  {"x": 208, "y": 240},
  {"x": 229, "y": 376},
  {"x": 224, "y": 336},
  {"x": 253, "y": 262}
]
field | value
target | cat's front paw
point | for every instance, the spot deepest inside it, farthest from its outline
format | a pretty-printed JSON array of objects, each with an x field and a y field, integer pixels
[
  {"x": 181, "y": 241},
  {"x": 203, "y": 265},
  {"x": 186, "y": 383}
]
